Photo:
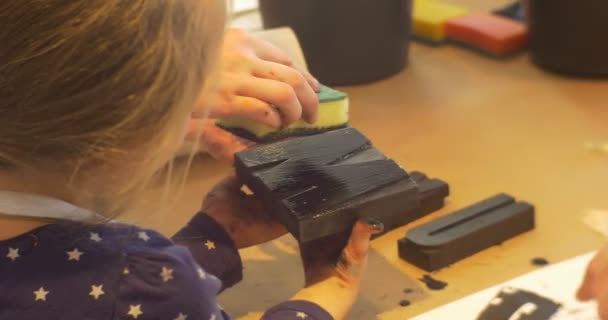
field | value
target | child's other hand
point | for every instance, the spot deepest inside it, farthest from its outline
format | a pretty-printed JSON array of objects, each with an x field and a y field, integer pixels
[
  {"x": 595, "y": 283},
  {"x": 219, "y": 143},
  {"x": 243, "y": 217},
  {"x": 334, "y": 285},
  {"x": 255, "y": 79}
]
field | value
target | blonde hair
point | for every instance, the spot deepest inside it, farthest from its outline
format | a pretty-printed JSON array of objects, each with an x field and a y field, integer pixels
[{"x": 99, "y": 90}]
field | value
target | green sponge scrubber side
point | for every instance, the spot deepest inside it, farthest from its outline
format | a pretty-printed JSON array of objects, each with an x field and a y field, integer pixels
[{"x": 333, "y": 114}]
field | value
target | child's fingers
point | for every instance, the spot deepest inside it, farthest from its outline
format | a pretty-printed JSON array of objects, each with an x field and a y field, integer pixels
[
  {"x": 352, "y": 261},
  {"x": 306, "y": 95},
  {"x": 249, "y": 108},
  {"x": 595, "y": 271},
  {"x": 584, "y": 292},
  {"x": 359, "y": 241},
  {"x": 219, "y": 143},
  {"x": 312, "y": 81},
  {"x": 602, "y": 299},
  {"x": 277, "y": 93},
  {"x": 269, "y": 52},
  {"x": 229, "y": 185}
]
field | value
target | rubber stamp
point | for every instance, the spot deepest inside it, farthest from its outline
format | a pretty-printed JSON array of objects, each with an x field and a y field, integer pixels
[
  {"x": 320, "y": 185},
  {"x": 456, "y": 236}
]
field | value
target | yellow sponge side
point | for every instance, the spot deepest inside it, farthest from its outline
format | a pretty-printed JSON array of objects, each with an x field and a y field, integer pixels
[
  {"x": 430, "y": 16},
  {"x": 331, "y": 114}
]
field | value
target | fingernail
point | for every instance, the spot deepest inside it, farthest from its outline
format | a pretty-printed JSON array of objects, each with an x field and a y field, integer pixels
[
  {"x": 317, "y": 84},
  {"x": 280, "y": 123},
  {"x": 376, "y": 224},
  {"x": 312, "y": 119}
]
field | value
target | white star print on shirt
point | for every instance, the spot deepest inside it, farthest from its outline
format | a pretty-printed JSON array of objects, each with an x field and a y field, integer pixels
[
  {"x": 213, "y": 317},
  {"x": 13, "y": 254},
  {"x": 126, "y": 271},
  {"x": 301, "y": 315},
  {"x": 166, "y": 274},
  {"x": 210, "y": 245},
  {"x": 96, "y": 291},
  {"x": 95, "y": 237},
  {"x": 143, "y": 236},
  {"x": 181, "y": 316},
  {"x": 40, "y": 294},
  {"x": 135, "y": 311},
  {"x": 74, "y": 255},
  {"x": 201, "y": 273}
]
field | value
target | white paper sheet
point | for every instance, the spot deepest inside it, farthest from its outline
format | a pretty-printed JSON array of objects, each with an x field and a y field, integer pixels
[
  {"x": 558, "y": 282},
  {"x": 239, "y": 6}
]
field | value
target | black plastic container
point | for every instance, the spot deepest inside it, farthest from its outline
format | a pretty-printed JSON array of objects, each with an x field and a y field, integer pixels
[
  {"x": 346, "y": 42},
  {"x": 569, "y": 36}
]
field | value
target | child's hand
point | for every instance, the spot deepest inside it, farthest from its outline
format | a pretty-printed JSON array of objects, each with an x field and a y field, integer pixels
[
  {"x": 241, "y": 215},
  {"x": 334, "y": 285},
  {"x": 255, "y": 79},
  {"x": 219, "y": 143},
  {"x": 595, "y": 283}
]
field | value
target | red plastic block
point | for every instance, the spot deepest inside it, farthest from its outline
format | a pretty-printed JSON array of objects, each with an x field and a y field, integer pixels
[{"x": 490, "y": 33}]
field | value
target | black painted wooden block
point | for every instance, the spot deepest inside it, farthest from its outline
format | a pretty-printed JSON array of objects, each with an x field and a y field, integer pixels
[
  {"x": 431, "y": 197},
  {"x": 319, "y": 185},
  {"x": 432, "y": 193},
  {"x": 451, "y": 238}
]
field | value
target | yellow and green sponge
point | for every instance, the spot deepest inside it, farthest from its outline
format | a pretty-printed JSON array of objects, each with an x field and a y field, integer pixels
[{"x": 333, "y": 114}]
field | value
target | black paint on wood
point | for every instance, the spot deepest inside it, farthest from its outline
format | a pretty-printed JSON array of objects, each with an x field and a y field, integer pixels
[
  {"x": 451, "y": 238},
  {"x": 320, "y": 185},
  {"x": 540, "y": 261},
  {"x": 432, "y": 192},
  {"x": 431, "y": 196},
  {"x": 405, "y": 303}
]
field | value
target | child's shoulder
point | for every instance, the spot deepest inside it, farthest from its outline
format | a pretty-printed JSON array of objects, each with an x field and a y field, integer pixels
[
  {"x": 79, "y": 268},
  {"x": 107, "y": 239},
  {"x": 75, "y": 244}
]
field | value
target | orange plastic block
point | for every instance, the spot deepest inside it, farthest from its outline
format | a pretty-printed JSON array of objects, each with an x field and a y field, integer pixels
[{"x": 493, "y": 34}]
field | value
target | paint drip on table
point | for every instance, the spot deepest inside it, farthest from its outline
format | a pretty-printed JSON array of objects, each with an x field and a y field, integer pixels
[{"x": 432, "y": 283}]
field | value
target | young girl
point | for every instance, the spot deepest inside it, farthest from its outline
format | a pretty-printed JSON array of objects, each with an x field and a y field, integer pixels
[{"x": 95, "y": 98}]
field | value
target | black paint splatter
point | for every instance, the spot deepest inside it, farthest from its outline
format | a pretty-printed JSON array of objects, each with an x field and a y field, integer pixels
[
  {"x": 540, "y": 262},
  {"x": 510, "y": 300},
  {"x": 432, "y": 283},
  {"x": 404, "y": 303},
  {"x": 408, "y": 290}
]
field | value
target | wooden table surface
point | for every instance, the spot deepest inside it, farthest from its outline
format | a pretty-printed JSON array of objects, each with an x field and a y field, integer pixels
[{"x": 484, "y": 126}]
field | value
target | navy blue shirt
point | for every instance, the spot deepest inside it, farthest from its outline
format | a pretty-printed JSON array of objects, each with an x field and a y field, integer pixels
[{"x": 70, "y": 271}]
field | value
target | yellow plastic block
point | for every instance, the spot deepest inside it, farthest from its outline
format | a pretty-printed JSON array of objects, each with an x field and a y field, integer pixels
[{"x": 430, "y": 16}]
